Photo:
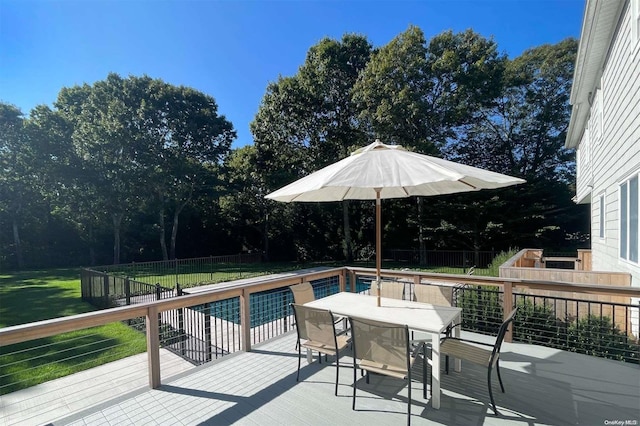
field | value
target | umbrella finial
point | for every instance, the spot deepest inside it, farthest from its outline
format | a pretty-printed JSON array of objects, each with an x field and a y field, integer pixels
[{"x": 376, "y": 146}]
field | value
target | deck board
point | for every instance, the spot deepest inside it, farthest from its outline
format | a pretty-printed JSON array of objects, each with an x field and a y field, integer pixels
[{"x": 544, "y": 387}]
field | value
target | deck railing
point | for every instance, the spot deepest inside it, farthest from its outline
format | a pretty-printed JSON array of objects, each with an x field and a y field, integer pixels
[
  {"x": 203, "y": 326},
  {"x": 233, "y": 317},
  {"x": 587, "y": 297},
  {"x": 577, "y": 325}
]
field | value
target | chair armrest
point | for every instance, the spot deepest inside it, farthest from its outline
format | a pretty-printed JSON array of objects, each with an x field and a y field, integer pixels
[
  {"x": 417, "y": 344},
  {"x": 418, "y": 349},
  {"x": 467, "y": 341},
  {"x": 450, "y": 327}
]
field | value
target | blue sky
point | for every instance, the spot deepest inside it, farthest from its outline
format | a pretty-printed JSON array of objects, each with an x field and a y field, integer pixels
[{"x": 230, "y": 49}]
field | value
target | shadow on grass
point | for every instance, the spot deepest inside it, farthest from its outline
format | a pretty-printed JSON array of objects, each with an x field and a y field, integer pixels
[
  {"x": 39, "y": 295},
  {"x": 44, "y": 276},
  {"x": 27, "y": 364}
]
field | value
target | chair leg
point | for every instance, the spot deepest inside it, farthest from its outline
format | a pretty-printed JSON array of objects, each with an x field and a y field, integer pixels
[
  {"x": 409, "y": 402},
  {"x": 353, "y": 403},
  {"x": 299, "y": 360},
  {"x": 446, "y": 364},
  {"x": 499, "y": 378},
  {"x": 424, "y": 372},
  {"x": 493, "y": 403},
  {"x": 337, "y": 373}
]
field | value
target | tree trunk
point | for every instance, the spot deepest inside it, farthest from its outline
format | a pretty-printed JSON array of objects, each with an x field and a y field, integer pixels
[
  {"x": 117, "y": 222},
  {"x": 17, "y": 243},
  {"x": 476, "y": 245},
  {"x": 423, "y": 251},
  {"x": 265, "y": 237},
  {"x": 174, "y": 229},
  {"x": 347, "y": 249},
  {"x": 92, "y": 251},
  {"x": 162, "y": 234},
  {"x": 174, "y": 233}
]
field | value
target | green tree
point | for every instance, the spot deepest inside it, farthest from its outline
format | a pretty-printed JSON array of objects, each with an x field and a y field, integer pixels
[
  {"x": 188, "y": 142},
  {"x": 105, "y": 139},
  {"x": 418, "y": 94},
  {"x": 33, "y": 162},
  {"x": 142, "y": 143},
  {"x": 522, "y": 133},
  {"x": 243, "y": 203},
  {"x": 308, "y": 121},
  {"x": 16, "y": 167},
  {"x": 50, "y": 135},
  {"x": 81, "y": 201}
]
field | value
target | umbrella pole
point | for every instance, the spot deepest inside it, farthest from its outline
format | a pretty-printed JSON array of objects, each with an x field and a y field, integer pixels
[{"x": 378, "y": 239}]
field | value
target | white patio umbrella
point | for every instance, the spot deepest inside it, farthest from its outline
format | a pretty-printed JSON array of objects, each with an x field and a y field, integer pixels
[{"x": 380, "y": 171}]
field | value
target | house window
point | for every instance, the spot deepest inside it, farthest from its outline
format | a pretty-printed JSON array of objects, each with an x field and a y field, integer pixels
[
  {"x": 602, "y": 216},
  {"x": 629, "y": 219}
]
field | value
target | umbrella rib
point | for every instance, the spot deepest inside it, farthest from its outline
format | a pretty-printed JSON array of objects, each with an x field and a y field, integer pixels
[{"x": 468, "y": 184}]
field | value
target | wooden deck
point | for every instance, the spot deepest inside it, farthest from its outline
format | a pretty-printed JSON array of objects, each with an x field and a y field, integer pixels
[{"x": 544, "y": 387}]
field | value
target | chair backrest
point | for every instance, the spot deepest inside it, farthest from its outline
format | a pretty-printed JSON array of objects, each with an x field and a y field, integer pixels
[
  {"x": 433, "y": 294},
  {"x": 501, "y": 333},
  {"x": 302, "y": 293},
  {"x": 315, "y": 324},
  {"x": 389, "y": 289},
  {"x": 381, "y": 342}
]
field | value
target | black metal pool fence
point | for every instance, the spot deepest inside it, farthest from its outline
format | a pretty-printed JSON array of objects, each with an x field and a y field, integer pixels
[{"x": 186, "y": 272}]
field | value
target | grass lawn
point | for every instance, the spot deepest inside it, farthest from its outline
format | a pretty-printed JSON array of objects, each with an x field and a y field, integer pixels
[{"x": 39, "y": 295}]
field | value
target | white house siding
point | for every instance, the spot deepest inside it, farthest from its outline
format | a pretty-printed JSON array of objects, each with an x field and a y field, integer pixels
[
  {"x": 583, "y": 168},
  {"x": 616, "y": 155}
]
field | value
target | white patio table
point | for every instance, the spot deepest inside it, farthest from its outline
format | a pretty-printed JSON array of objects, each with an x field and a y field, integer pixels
[{"x": 417, "y": 316}]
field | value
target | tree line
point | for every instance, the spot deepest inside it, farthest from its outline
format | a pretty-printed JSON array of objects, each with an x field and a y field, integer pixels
[{"x": 135, "y": 169}]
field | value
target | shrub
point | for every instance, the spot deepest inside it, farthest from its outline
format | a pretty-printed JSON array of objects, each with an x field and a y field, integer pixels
[
  {"x": 502, "y": 257},
  {"x": 537, "y": 324},
  {"x": 597, "y": 336},
  {"x": 481, "y": 308}
]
